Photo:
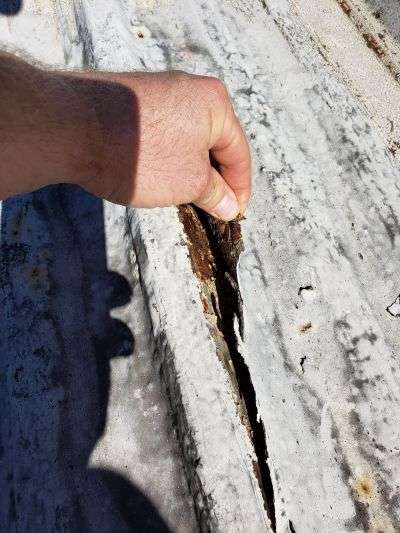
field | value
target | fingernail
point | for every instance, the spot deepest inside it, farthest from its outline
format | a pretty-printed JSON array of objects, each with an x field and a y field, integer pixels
[
  {"x": 227, "y": 208},
  {"x": 243, "y": 201}
]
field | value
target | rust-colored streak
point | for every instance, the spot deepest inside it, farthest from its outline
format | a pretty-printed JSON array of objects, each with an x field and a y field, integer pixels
[
  {"x": 214, "y": 249},
  {"x": 364, "y": 488},
  {"x": 374, "y": 44},
  {"x": 345, "y": 6},
  {"x": 227, "y": 234},
  {"x": 305, "y": 327},
  {"x": 202, "y": 260}
]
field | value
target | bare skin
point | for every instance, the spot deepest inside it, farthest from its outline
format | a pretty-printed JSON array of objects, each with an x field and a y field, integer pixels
[{"x": 136, "y": 139}]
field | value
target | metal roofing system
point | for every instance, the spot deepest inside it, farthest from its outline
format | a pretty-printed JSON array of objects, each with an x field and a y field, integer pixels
[{"x": 161, "y": 371}]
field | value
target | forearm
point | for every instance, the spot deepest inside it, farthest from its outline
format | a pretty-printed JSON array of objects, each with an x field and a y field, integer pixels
[{"x": 49, "y": 129}]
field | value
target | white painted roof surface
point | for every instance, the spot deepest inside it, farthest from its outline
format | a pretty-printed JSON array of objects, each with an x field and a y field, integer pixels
[{"x": 318, "y": 278}]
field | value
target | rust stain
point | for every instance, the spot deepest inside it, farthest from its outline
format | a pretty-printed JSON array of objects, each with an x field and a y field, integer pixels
[
  {"x": 202, "y": 260},
  {"x": 366, "y": 492},
  {"x": 228, "y": 235},
  {"x": 374, "y": 44},
  {"x": 214, "y": 249},
  {"x": 345, "y": 6},
  {"x": 364, "y": 488},
  {"x": 305, "y": 327},
  {"x": 204, "y": 266},
  {"x": 204, "y": 301}
]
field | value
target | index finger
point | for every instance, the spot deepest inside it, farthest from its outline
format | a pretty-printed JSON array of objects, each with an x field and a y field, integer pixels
[{"x": 232, "y": 153}]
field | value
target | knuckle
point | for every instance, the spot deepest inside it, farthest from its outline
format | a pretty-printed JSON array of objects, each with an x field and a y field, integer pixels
[
  {"x": 218, "y": 84},
  {"x": 214, "y": 88},
  {"x": 219, "y": 89}
]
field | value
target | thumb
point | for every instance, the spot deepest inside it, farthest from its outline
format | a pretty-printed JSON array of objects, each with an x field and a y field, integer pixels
[{"x": 218, "y": 198}]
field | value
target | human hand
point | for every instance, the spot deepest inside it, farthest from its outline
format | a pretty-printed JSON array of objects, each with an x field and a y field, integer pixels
[
  {"x": 137, "y": 139},
  {"x": 159, "y": 131}
]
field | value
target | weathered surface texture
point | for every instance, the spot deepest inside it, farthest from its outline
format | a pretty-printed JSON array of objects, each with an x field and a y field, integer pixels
[
  {"x": 86, "y": 439},
  {"x": 318, "y": 277},
  {"x": 114, "y": 418},
  {"x": 319, "y": 270}
]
